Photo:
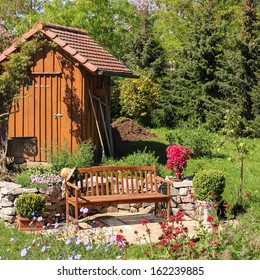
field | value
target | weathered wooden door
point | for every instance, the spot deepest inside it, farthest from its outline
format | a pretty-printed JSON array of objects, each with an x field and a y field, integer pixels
[{"x": 40, "y": 113}]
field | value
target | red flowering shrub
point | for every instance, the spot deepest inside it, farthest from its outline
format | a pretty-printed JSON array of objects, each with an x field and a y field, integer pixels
[{"x": 177, "y": 157}]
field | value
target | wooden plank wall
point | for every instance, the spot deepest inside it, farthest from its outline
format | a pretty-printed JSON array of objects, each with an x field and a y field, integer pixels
[{"x": 57, "y": 86}]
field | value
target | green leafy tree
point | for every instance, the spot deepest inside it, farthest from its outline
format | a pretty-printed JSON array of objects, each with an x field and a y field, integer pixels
[
  {"x": 17, "y": 16},
  {"x": 172, "y": 24},
  {"x": 192, "y": 93},
  {"x": 249, "y": 46},
  {"x": 239, "y": 78},
  {"x": 233, "y": 129},
  {"x": 107, "y": 22},
  {"x": 138, "y": 98},
  {"x": 146, "y": 52}
]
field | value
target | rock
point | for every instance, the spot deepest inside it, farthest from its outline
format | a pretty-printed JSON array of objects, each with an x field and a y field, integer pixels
[
  {"x": 109, "y": 209},
  {"x": 183, "y": 191},
  {"x": 136, "y": 205},
  {"x": 182, "y": 184},
  {"x": 123, "y": 206},
  {"x": 146, "y": 210},
  {"x": 9, "y": 219},
  {"x": 173, "y": 203},
  {"x": 187, "y": 199},
  {"x": 17, "y": 191},
  {"x": 174, "y": 191},
  {"x": 186, "y": 206},
  {"x": 9, "y": 188},
  {"x": 133, "y": 210},
  {"x": 123, "y": 210},
  {"x": 5, "y": 202},
  {"x": 9, "y": 211},
  {"x": 29, "y": 190}
]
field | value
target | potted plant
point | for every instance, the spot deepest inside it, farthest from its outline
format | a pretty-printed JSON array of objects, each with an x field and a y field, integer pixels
[
  {"x": 30, "y": 208},
  {"x": 208, "y": 186},
  {"x": 177, "y": 157}
]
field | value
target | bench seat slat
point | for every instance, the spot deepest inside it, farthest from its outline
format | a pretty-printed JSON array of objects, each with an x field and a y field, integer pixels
[{"x": 97, "y": 200}]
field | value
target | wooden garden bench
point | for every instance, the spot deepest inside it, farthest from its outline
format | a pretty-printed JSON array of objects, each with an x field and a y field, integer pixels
[{"x": 112, "y": 185}]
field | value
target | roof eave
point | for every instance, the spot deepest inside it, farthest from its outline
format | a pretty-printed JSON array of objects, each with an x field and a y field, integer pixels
[{"x": 119, "y": 74}]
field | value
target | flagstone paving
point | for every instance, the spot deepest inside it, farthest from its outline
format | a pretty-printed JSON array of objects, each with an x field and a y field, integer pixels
[{"x": 127, "y": 224}]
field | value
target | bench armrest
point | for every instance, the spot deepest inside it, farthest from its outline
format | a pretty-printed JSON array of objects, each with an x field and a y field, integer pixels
[
  {"x": 69, "y": 192},
  {"x": 72, "y": 186}
]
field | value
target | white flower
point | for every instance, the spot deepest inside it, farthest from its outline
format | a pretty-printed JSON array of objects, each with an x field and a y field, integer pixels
[
  {"x": 77, "y": 257},
  {"x": 44, "y": 248},
  {"x": 67, "y": 242},
  {"x": 23, "y": 252}
]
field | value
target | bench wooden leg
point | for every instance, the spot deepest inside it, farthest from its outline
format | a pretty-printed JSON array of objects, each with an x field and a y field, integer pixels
[
  {"x": 76, "y": 212},
  {"x": 156, "y": 208},
  {"x": 67, "y": 211},
  {"x": 168, "y": 209}
]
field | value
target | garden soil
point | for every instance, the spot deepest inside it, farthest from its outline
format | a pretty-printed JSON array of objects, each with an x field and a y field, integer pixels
[{"x": 127, "y": 130}]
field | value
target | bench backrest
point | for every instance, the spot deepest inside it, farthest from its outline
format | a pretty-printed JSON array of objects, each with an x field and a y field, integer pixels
[{"x": 111, "y": 180}]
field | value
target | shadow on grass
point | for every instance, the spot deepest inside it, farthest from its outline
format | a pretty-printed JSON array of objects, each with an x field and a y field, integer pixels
[{"x": 159, "y": 149}]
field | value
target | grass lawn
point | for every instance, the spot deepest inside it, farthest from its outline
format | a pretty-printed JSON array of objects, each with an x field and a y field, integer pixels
[{"x": 224, "y": 159}]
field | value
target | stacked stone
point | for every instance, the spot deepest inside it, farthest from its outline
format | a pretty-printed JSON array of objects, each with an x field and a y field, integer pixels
[
  {"x": 143, "y": 208},
  {"x": 10, "y": 191},
  {"x": 181, "y": 199}
]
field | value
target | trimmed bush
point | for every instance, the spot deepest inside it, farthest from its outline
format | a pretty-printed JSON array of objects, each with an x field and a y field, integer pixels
[
  {"x": 29, "y": 205},
  {"x": 208, "y": 184}
]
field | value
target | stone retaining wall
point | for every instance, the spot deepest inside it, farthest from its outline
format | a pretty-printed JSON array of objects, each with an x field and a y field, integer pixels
[
  {"x": 55, "y": 201},
  {"x": 181, "y": 199}
]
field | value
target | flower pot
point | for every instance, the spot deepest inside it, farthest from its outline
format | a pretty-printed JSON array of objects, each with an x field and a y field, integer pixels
[{"x": 26, "y": 224}]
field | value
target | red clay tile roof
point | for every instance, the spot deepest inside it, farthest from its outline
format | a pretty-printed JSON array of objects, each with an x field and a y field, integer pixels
[{"x": 79, "y": 45}]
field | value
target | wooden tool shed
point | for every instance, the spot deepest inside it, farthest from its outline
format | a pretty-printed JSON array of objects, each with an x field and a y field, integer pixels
[{"x": 67, "y": 97}]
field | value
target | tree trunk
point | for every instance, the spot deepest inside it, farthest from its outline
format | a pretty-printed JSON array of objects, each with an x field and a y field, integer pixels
[
  {"x": 3, "y": 142},
  {"x": 240, "y": 189}
]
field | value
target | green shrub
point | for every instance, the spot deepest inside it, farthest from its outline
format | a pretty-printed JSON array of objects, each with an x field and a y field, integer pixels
[
  {"x": 138, "y": 158},
  {"x": 83, "y": 155},
  {"x": 198, "y": 139},
  {"x": 141, "y": 158},
  {"x": 208, "y": 184},
  {"x": 23, "y": 179},
  {"x": 30, "y": 204},
  {"x": 59, "y": 159},
  {"x": 38, "y": 169},
  {"x": 138, "y": 98}
]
